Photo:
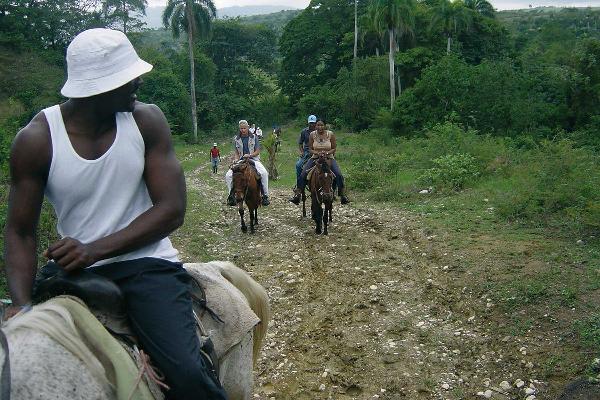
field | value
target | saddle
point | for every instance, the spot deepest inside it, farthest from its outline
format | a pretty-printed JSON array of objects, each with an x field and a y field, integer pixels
[
  {"x": 106, "y": 302},
  {"x": 240, "y": 166}
]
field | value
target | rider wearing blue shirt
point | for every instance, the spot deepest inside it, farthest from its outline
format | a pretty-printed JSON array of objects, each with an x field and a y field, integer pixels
[{"x": 304, "y": 155}]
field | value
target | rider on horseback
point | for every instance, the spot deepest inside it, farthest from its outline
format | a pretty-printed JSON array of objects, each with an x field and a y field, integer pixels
[
  {"x": 247, "y": 145},
  {"x": 322, "y": 141},
  {"x": 304, "y": 155},
  {"x": 106, "y": 163}
]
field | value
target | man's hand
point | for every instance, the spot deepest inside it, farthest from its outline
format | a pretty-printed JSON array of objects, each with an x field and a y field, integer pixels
[
  {"x": 11, "y": 311},
  {"x": 71, "y": 254},
  {"x": 246, "y": 156}
]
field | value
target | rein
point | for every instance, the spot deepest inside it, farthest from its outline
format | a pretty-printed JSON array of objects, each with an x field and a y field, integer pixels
[
  {"x": 319, "y": 192},
  {"x": 5, "y": 376}
]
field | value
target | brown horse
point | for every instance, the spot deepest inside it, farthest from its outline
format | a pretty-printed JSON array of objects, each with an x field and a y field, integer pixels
[
  {"x": 321, "y": 193},
  {"x": 246, "y": 190}
]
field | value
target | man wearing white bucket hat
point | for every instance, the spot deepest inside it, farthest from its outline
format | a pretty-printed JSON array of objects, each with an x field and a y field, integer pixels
[{"x": 106, "y": 163}]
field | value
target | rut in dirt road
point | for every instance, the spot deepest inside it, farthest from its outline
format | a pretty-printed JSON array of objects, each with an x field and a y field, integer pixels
[{"x": 364, "y": 312}]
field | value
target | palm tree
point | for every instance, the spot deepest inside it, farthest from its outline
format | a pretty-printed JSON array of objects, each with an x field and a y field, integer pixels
[
  {"x": 482, "y": 7},
  {"x": 397, "y": 17},
  {"x": 355, "y": 30},
  {"x": 122, "y": 8},
  {"x": 452, "y": 17},
  {"x": 194, "y": 17}
]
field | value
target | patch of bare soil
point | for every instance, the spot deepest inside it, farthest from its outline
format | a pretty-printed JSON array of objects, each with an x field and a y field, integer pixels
[{"x": 370, "y": 311}]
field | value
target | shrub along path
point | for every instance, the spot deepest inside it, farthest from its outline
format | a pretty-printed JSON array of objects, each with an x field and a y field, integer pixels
[{"x": 381, "y": 308}]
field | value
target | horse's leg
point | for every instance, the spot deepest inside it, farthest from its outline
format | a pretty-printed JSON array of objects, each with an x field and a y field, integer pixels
[
  {"x": 325, "y": 219},
  {"x": 303, "y": 203},
  {"x": 252, "y": 216},
  {"x": 318, "y": 215},
  {"x": 241, "y": 211},
  {"x": 256, "y": 216},
  {"x": 235, "y": 370}
]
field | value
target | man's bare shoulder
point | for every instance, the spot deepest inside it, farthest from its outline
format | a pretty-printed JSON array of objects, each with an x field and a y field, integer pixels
[
  {"x": 34, "y": 138},
  {"x": 151, "y": 121}
]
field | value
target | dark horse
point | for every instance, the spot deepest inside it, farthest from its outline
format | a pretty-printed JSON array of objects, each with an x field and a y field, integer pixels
[
  {"x": 246, "y": 190},
  {"x": 321, "y": 193}
]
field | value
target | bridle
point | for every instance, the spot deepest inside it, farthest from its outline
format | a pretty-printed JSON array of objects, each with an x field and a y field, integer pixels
[
  {"x": 246, "y": 185},
  {"x": 321, "y": 194}
]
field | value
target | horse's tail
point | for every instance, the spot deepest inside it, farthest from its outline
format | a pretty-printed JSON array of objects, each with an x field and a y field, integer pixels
[{"x": 257, "y": 298}]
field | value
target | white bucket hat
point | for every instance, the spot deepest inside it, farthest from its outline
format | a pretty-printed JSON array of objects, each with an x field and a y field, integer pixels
[{"x": 100, "y": 60}]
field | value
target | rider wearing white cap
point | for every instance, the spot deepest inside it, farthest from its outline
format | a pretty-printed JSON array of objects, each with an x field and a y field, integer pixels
[
  {"x": 106, "y": 163},
  {"x": 247, "y": 145}
]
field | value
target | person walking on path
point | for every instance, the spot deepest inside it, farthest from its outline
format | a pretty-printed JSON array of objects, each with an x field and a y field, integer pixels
[
  {"x": 215, "y": 158},
  {"x": 106, "y": 163}
]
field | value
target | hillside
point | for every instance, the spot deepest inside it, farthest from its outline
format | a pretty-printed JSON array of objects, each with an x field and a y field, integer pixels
[
  {"x": 153, "y": 17},
  {"x": 579, "y": 21}
]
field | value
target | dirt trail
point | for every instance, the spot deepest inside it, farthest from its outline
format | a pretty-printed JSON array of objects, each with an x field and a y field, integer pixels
[{"x": 365, "y": 312}]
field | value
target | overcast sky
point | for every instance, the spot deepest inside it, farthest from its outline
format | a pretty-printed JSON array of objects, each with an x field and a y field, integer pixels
[{"x": 499, "y": 4}]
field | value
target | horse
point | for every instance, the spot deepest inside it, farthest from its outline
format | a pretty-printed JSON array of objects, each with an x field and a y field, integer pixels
[
  {"x": 49, "y": 358},
  {"x": 246, "y": 190},
  {"x": 321, "y": 193}
]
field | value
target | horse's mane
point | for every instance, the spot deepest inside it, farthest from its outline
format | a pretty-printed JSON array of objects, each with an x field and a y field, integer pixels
[
  {"x": 255, "y": 294},
  {"x": 56, "y": 322}
]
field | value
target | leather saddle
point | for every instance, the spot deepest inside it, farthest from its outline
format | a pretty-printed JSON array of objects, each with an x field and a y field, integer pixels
[{"x": 107, "y": 303}]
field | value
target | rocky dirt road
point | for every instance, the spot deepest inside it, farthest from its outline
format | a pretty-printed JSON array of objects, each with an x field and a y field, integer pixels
[{"x": 377, "y": 309}]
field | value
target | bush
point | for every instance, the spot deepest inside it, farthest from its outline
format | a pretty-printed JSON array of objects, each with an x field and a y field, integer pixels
[
  {"x": 493, "y": 97},
  {"x": 555, "y": 181},
  {"x": 452, "y": 170}
]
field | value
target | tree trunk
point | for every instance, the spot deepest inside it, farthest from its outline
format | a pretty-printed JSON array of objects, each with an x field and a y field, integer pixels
[
  {"x": 355, "y": 29},
  {"x": 399, "y": 85},
  {"x": 448, "y": 45},
  {"x": 192, "y": 80},
  {"x": 392, "y": 80}
]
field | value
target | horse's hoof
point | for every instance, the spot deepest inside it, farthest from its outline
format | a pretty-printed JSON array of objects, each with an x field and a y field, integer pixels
[{"x": 244, "y": 229}]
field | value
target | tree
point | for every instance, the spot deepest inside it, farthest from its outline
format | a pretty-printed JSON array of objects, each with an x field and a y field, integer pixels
[
  {"x": 121, "y": 11},
  {"x": 482, "y": 7},
  {"x": 452, "y": 17},
  {"x": 398, "y": 19},
  {"x": 313, "y": 48},
  {"x": 194, "y": 17}
]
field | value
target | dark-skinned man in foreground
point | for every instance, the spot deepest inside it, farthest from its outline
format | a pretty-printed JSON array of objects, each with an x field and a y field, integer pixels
[{"x": 106, "y": 163}]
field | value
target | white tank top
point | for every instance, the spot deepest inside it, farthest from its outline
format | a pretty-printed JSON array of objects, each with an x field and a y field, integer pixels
[{"x": 95, "y": 198}]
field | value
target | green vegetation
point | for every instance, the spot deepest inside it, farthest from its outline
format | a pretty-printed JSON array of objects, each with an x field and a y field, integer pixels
[{"x": 494, "y": 136}]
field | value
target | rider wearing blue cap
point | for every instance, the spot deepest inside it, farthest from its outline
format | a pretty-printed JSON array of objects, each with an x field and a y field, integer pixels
[{"x": 304, "y": 154}]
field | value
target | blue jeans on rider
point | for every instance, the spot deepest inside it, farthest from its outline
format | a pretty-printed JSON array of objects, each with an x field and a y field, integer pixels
[
  {"x": 159, "y": 307},
  {"x": 339, "y": 178},
  {"x": 299, "y": 164}
]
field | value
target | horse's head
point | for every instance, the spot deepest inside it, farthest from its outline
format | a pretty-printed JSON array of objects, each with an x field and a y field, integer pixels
[
  {"x": 240, "y": 184},
  {"x": 325, "y": 179}
]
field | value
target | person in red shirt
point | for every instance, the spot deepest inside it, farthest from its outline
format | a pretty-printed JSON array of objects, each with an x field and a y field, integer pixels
[{"x": 215, "y": 157}]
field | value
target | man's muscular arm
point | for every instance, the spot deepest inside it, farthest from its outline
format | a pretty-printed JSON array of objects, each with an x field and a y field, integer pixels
[
  {"x": 30, "y": 158},
  {"x": 166, "y": 186}
]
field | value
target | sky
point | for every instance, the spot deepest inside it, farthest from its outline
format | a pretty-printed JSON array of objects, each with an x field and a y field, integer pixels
[{"x": 499, "y": 4}]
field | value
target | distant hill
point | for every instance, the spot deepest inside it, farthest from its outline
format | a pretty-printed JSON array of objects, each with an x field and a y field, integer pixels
[
  {"x": 530, "y": 22},
  {"x": 276, "y": 21},
  {"x": 153, "y": 17}
]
